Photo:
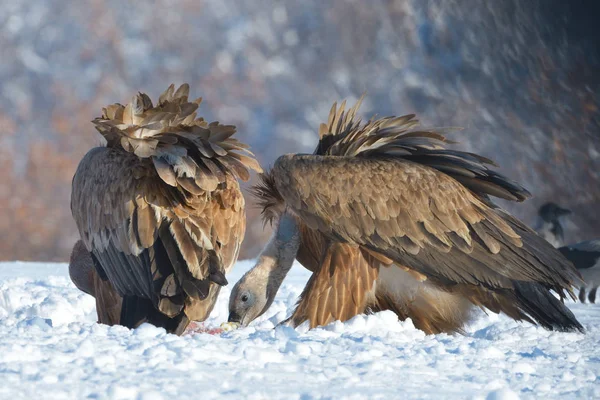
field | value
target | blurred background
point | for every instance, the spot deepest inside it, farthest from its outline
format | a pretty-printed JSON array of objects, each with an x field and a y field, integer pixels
[{"x": 522, "y": 78}]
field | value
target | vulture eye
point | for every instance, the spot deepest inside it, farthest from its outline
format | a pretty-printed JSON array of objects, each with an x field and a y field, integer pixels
[{"x": 245, "y": 298}]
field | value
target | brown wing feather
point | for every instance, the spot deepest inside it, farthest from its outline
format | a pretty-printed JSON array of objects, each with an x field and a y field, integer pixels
[
  {"x": 420, "y": 203},
  {"x": 433, "y": 225},
  {"x": 338, "y": 290},
  {"x": 86, "y": 278},
  {"x": 398, "y": 137},
  {"x": 108, "y": 301},
  {"x": 313, "y": 245},
  {"x": 229, "y": 210},
  {"x": 159, "y": 207},
  {"x": 122, "y": 234}
]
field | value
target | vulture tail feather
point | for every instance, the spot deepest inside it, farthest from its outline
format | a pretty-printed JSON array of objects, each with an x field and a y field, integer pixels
[
  {"x": 99, "y": 269},
  {"x": 541, "y": 305}
]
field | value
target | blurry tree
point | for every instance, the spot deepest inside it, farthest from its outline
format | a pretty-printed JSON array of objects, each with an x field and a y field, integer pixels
[{"x": 520, "y": 76}]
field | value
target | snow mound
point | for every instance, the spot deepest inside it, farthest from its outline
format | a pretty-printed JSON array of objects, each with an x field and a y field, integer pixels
[{"x": 50, "y": 344}]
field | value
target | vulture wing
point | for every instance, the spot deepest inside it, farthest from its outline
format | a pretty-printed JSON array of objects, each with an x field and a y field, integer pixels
[
  {"x": 340, "y": 289},
  {"x": 431, "y": 223},
  {"x": 108, "y": 301},
  {"x": 86, "y": 278},
  {"x": 160, "y": 207}
]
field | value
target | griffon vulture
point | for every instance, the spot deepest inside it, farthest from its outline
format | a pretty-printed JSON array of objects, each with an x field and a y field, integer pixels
[
  {"x": 387, "y": 218},
  {"x": 160, "y": 209}
]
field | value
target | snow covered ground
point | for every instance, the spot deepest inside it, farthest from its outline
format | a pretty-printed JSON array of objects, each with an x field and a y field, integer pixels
[{"x": 51, "y": 347}]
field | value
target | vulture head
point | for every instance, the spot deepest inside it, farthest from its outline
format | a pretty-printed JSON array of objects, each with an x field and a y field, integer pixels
[
  {"x": 250, "y": 300},
  {"x": 254, "y": 293}
]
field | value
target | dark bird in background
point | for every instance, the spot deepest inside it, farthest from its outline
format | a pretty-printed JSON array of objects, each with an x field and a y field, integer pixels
[
  {"x": 388, "y": 218},
  {"x": 160, "y": 212},
  {"x": 586, "y": 258},
  {"x": 584, "y": 255},
  {"x": 548, "y": 224}
]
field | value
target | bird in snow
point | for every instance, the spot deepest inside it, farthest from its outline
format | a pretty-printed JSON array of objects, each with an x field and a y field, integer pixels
[
  {"x": 586, "y": 258},
  {"x": 386, "y": 217},
  {"x": 159, "y": 209}
]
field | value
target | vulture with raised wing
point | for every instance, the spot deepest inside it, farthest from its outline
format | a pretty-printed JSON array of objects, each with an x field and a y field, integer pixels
[
  {"x": 387, "y": 218},
  {"x": 160, "y": 210}
]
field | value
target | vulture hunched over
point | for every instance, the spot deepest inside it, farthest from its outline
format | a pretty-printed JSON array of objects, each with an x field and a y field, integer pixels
[
  {"x": 160, "y": 211},
  {"x": 387, "y": 218}
]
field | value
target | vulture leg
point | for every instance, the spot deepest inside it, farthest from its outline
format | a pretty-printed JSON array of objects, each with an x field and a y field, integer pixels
[
  {"x": 340, "y": 289},
  {"x": 431, "y": 309}
]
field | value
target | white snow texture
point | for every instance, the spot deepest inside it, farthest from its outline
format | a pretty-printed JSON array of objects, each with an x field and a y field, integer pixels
[{"x": 50, "y": 346}]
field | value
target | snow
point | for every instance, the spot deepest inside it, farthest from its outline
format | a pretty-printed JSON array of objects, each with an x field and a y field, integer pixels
[{"x": 50, "y": 345}]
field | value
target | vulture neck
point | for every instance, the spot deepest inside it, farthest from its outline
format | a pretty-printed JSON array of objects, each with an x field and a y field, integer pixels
[{"x": 278, "y": 256}]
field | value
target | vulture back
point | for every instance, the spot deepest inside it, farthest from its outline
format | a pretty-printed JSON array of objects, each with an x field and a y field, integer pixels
[
  {"x": 160, "y": 207},
  {"x": 399, "y": 137}
]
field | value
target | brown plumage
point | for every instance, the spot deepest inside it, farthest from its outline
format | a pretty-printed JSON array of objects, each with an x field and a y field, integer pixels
[
  {"x": 84, "y": 276},
  {"x": 160, "y": 208},
  {"x": 389, "y": 218},
  {"x": 340, "y": 288},
  {"x": 81, "y": 268}
]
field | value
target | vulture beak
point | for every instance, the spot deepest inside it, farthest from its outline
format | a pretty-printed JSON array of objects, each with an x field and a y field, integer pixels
[{"x": 234, "y": 317}]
